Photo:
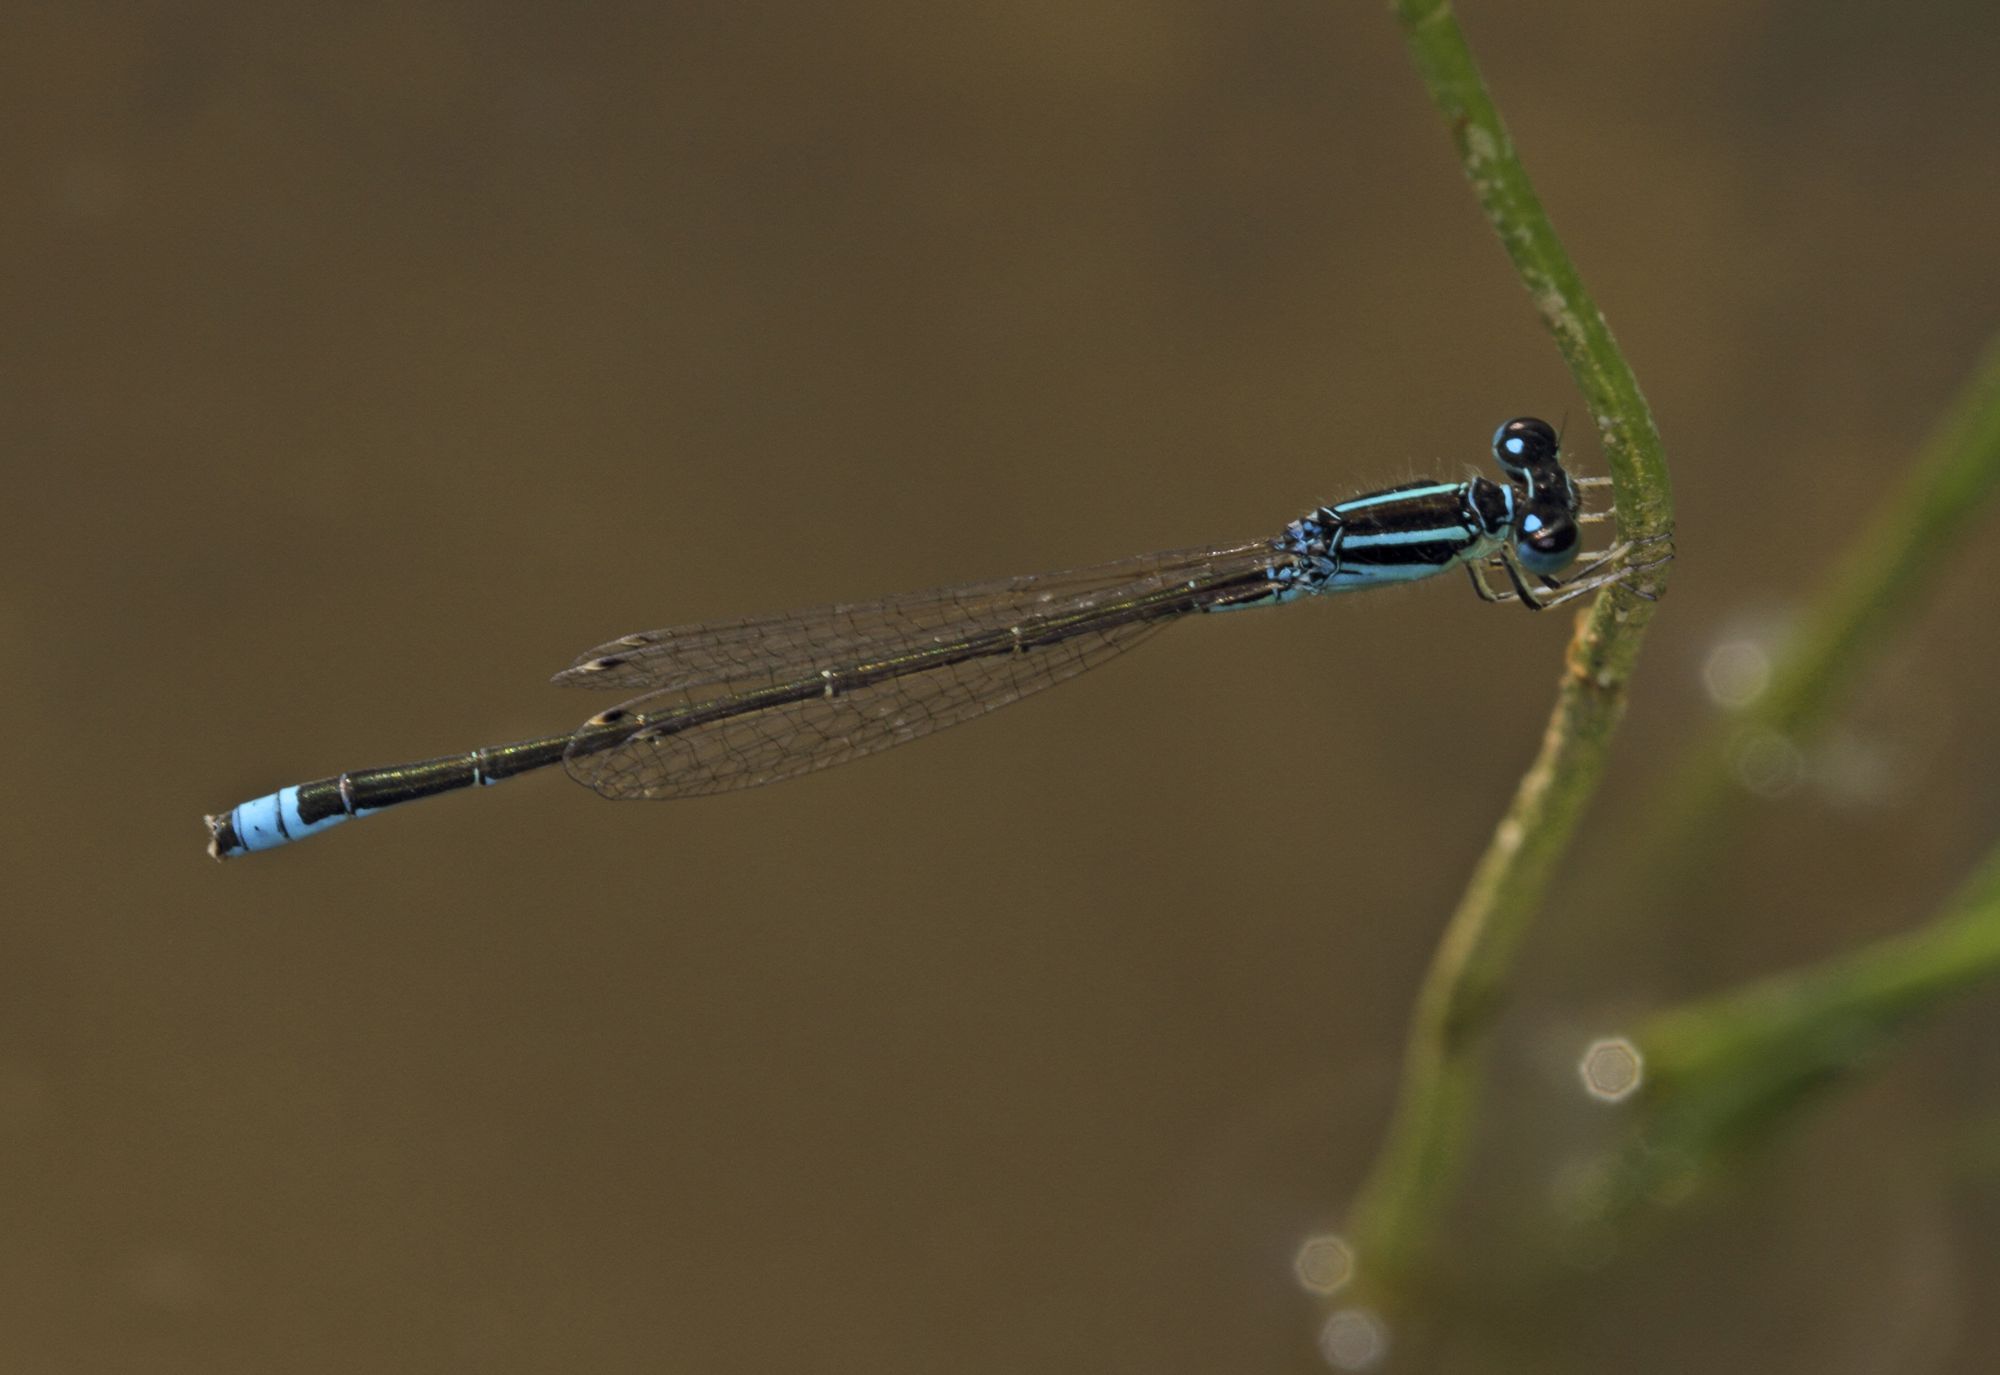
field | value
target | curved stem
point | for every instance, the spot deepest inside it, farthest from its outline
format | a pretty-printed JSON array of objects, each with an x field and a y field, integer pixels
[{"x": 1416, "y": 1173}]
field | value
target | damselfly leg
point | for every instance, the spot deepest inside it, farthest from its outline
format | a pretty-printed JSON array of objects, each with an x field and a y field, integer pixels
[{"x": 1612, "y": 567}]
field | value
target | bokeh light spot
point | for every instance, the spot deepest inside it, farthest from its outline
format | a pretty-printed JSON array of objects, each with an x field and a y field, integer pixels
[
  {"x": 1853, "y": 771},
  {"x": 1611, "y": 1069},
  {"x": 1769, "y": 765},
  {"x": 1353, "y": 1339},
  {"x": 1736, "y": 673},
  {"x": 1324, "y": 1264}
]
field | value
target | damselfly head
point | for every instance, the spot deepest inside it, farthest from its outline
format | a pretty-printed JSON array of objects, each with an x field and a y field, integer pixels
[{"x": 1530, "y": 452}]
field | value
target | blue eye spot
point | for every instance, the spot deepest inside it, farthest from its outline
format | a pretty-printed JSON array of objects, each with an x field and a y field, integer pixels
[
  {"x": 1525, "y": 442},
  {"x": 1530, "y": 524}
]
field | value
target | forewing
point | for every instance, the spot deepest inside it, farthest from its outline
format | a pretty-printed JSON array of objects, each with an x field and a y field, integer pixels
[
  {"x": 752, "y": 748},
  {"x": 767, "y": 649}
]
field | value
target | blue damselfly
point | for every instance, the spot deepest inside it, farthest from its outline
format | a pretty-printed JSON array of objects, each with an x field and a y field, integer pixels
[{"x": 742, "y": 703}]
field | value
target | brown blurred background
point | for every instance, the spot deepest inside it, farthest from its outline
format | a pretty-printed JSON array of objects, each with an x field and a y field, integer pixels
[{"x": 361, "y": 364}]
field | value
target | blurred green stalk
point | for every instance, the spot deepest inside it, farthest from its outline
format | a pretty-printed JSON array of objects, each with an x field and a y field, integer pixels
[
  {"x": 1723, "y": 1073},
  {"x": 1416, "y": 1174},
  {"x": 1911, "y": 539}
]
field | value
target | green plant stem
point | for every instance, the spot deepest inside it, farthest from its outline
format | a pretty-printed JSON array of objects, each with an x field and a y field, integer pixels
[
  {"x": 1724, "y": 1073},
  {"x": 1910, "y": 541},
  {"x": 1416, "y": 1173}
]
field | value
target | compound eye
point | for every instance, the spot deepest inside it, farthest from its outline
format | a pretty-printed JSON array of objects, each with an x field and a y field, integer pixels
[
  {"x": 1524, "y": 443},
  {"x": 1547, "y": 542}
]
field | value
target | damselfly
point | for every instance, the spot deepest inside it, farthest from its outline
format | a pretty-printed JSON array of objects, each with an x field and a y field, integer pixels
[{"x": 740, "y": 703}]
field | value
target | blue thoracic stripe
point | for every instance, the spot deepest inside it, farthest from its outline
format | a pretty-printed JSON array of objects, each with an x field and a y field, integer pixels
[
  {"x": 1397, "y": 494},
  {"x": 1444, "y": 534},
  {"x": 1437, "y": 554},
  {"x": 1361, "y": 573}
]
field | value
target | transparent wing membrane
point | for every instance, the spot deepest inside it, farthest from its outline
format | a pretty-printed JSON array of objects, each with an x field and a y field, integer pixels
[
  {"x": 764, "y": 745},
  {"x": 765, "y": 649},
  {"x": 752, "y": 702}
]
